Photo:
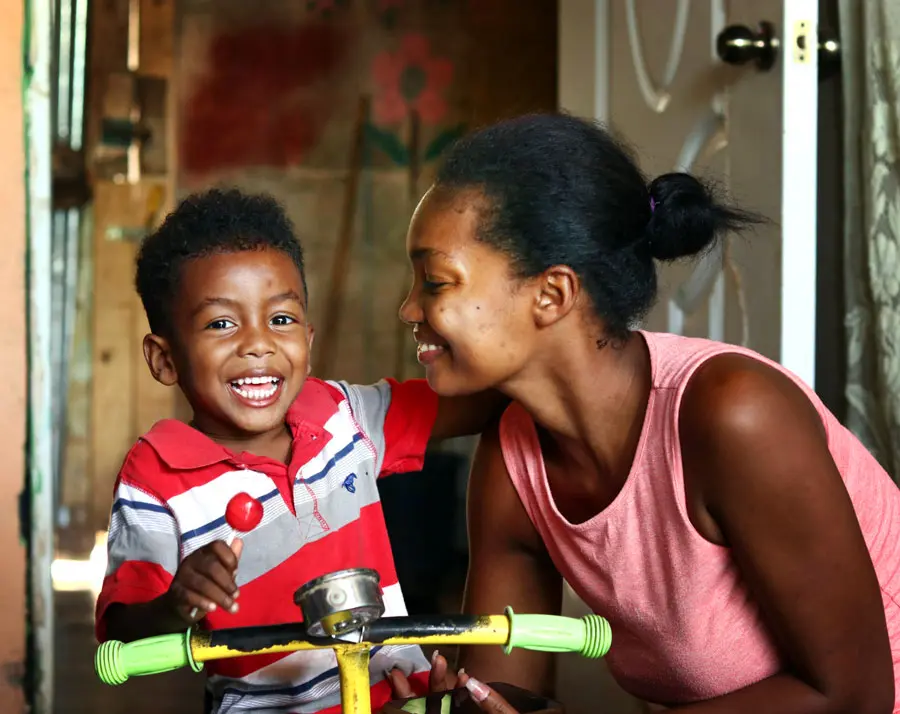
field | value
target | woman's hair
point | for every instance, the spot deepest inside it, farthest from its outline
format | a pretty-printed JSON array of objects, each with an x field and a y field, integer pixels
[{"x": 562, "y": 191}]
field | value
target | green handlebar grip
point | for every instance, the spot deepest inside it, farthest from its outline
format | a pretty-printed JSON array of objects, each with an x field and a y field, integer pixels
[
  {"x": 116, "y": 661},
  {"x": 589, "y": 636}
]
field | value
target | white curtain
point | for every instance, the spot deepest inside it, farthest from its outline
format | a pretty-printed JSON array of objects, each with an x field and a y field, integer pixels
[{"x": 870, "y": 53}]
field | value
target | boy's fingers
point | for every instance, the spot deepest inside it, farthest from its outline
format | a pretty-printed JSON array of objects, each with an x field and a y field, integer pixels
[
  {"x": 190, "y": 605},
  {"x": 225, "y": 553},
  {"x": 197, "y": 585},
  {"x": 180, "y": 602},
  {"x": 237, "y": 547},
  {"x": 212, "y": 569}
]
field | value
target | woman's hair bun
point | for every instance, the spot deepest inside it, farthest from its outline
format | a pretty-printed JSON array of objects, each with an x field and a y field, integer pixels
[{"x": 687, "y": 218}]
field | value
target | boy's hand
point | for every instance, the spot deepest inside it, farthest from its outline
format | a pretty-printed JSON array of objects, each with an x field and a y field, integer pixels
[{"x": 205, "y": 581}]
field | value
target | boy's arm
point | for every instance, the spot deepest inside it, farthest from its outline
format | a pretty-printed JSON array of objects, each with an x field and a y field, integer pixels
[
  {"x": 403, "y": 418},
  {"x": 143, "y": 553},
  {"x": 138, "y": 620},
  {"x": 146, "y": 591},
  {"x": 468, "y": 415}
]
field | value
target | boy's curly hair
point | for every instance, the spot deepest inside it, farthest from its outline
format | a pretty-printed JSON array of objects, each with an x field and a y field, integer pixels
[{"x": 215, "y": 221}]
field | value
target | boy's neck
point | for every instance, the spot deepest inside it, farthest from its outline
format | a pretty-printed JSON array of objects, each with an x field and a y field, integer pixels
[{"x": 274, "y": 445}]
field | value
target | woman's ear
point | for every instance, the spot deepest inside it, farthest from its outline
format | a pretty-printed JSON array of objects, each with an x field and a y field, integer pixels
[
  {"x": 558, "y": 289},
  {"x": 158, "y": 354}
]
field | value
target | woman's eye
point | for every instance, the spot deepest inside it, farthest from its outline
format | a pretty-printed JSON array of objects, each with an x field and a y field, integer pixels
[
  {"x": 221, "y": 324},
  {"x": 432, "y": 286},
  {"x": 281, "y": 320}
]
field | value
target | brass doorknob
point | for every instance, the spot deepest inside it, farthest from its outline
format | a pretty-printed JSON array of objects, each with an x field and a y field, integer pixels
[{"x": 739, "y": 44}]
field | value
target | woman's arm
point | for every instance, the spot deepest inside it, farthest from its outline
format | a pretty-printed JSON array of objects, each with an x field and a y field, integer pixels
[
  {"x": 756, "y": 456},
  {"x": 508, "y": 566}
]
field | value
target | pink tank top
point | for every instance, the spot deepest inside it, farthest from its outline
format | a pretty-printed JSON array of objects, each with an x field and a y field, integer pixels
[{"x": 684, "y": 627}]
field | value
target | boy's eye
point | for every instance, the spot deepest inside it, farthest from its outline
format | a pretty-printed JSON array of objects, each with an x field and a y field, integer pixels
[
  {"x": 281, "y": 320},
  {"x": 221, "y": 324}
]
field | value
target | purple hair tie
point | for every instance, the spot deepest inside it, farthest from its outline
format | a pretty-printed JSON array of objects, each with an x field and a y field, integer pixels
[{"x": 652, "y": 204}]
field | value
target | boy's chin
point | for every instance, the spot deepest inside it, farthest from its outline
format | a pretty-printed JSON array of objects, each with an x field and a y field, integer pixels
[{"x": 257, "y": 424}]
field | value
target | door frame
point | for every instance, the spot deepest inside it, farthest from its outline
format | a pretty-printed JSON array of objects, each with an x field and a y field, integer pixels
[
  {"x": 583, "y": 87},
  {"x": 40, "y": 481}
]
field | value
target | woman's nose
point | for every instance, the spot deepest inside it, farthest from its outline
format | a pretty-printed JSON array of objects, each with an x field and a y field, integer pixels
[{"x": 410, "y": 309}]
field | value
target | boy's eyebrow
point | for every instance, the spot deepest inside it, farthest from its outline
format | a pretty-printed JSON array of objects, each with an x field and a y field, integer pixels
[
  {"x": 206, "y": 302},
  {"x": 228, "y": 302},
  {"x": 289, "y": 295}
]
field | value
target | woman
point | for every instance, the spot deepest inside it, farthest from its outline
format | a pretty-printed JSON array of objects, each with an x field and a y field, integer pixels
[{"x": 744, "y": 546}]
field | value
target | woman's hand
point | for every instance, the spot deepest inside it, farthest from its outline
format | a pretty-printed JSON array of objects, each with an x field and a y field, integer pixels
[
  {"x": 442, "y": 679},
  {"x": 486, "y": 698}
]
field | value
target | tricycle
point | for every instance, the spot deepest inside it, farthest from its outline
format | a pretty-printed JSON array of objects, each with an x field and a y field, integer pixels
[{"x": 343, "y": 611}]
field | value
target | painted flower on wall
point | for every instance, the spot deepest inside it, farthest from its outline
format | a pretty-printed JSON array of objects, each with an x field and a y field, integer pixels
[
  {"x": 324, "y": 7},
  {"x": 389, "y": 11},
  {"x": 411, "y": 78}
]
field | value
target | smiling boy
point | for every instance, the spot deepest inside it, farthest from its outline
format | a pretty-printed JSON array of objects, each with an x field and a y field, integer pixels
[{"x": 222, "y": 282}]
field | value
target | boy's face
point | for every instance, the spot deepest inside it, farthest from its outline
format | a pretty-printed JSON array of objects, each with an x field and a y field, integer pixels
[{"x": 240, "y": 344}]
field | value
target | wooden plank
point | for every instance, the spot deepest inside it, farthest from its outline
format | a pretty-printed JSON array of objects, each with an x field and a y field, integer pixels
[
  {"x": 153, "y": 97},
  {"x": 107, "y": 54},
  {"x": 156, "y": 38},
  {"x": 76, "y": 477},
  {"x": 125, "y": 399},
  {"x": 116, "y": 351}
]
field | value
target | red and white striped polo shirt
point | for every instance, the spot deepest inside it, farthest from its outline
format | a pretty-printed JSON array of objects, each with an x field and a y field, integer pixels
[{"x": 322, "y": 513}]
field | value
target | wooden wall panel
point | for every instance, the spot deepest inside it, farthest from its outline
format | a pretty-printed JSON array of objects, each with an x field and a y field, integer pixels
[{"x": 126, "y": 400}]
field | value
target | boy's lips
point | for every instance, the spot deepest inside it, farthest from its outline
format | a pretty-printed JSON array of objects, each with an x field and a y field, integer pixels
[{"x": 257, "y": 390}]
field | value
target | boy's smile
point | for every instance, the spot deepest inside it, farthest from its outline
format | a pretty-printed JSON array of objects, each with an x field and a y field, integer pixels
[{"x": 240, "y": 344}]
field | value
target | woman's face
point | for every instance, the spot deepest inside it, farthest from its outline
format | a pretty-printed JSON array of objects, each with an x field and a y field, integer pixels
[{"x": 471, "y": 317}]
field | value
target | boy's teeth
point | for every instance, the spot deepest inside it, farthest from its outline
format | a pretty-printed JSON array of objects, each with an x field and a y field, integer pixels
[
  {"x": 255, "y": 388},
  {"x": 255, "y": 380},
  {"x": 424, "y": 347},
  {"x": 256, "y": 394}
]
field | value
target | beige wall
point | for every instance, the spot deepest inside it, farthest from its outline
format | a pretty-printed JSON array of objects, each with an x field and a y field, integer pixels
[{"x": 12, "y": 354}]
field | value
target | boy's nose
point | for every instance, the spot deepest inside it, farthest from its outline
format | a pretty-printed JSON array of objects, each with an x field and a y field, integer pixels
[{"x": 257, "y": 343}]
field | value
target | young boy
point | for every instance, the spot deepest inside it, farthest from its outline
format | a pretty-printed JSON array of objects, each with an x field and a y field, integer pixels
[{"x": 222, "y": 282}]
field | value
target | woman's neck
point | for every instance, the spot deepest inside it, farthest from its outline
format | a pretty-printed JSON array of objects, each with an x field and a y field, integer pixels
[{"x": 591, "y": 399}]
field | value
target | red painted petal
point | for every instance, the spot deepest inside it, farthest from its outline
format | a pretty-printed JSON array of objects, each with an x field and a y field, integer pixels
[
  {"x": 389, "y": 107},
  {"x": 440, "y": 73},
  {"x": 386, "y": 69},
  {"x": 414, "y": 49},
  {"x": 432, "y": 107}
]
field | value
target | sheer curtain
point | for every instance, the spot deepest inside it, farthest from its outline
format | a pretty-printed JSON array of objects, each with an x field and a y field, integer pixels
[{"x": 870, "y": 49}]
